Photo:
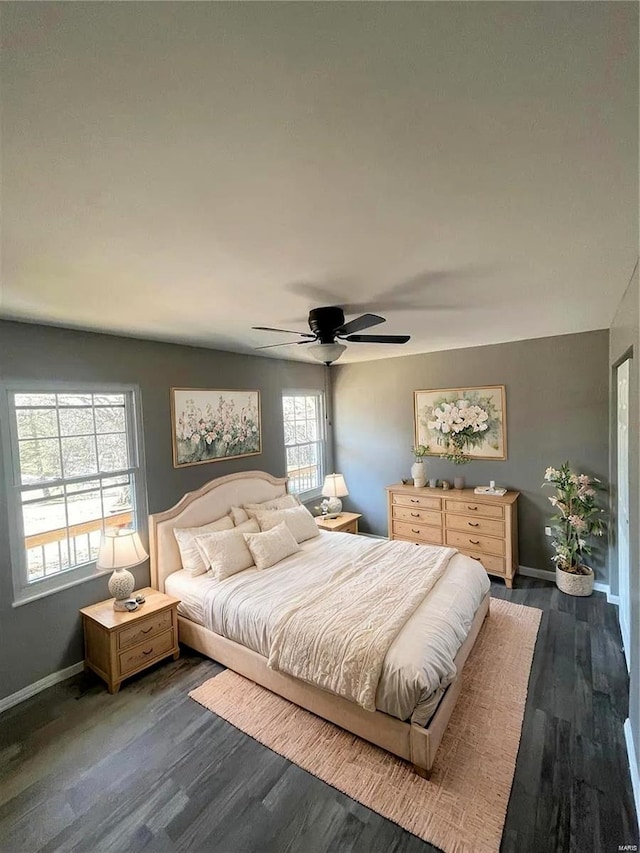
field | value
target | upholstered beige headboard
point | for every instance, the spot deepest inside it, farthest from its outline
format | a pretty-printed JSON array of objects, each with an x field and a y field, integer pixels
[{"x": 208, "y": 503}]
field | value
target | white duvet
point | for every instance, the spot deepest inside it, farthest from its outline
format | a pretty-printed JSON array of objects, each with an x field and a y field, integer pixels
[{"x": 419, "y": 664}]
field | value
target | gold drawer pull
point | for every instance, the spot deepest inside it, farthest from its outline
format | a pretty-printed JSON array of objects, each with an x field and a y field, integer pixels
[
  {"x": 474, "y": 541},
  {"x": 413, "y": 530},
  {"x": 473, "y": 523},
  {"x": 415, "y": 515},
  {"x": 146, "y": 630},
  {"x": 148, "y": 653},
  {"x": 471, "y": 507}
]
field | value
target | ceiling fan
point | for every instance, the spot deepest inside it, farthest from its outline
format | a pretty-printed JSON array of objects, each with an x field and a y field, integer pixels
[{"x": 328, "y": 328}]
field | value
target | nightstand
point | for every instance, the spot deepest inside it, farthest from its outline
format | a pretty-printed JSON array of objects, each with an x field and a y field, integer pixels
[
  {"x": 119, "y": 644},
  {"x": 346, "y": 522}
]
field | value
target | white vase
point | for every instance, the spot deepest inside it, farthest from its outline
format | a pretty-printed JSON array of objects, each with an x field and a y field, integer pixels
[{"x": 419, "y": 474}]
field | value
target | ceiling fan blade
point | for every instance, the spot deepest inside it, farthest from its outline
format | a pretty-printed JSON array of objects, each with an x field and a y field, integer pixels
[
  {"x": 285, "y": 344},
  {"x": 366, "y": 321},
  {"x": 378, "y": 339},
  {"x": 286, "y": 331}
]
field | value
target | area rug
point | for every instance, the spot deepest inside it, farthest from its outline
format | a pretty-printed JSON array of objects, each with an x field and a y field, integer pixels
[{"x": 462, "y": 808}]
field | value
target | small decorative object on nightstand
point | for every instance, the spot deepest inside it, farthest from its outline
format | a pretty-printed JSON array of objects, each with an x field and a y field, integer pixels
[
  {"x": 346, "y": 522},
  {"x": 119, "y": 644},
  {"x": 120, "y": 550},
  {"x": 334, "y": 488}
]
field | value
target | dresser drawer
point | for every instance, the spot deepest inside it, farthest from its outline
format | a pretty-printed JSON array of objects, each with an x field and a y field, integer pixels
[
  {"x": 146, "y": 652},
  {"x": 474, "y": 508},
  {"x": 421, "y": 501},
  {"x": 420, "y": 532},
  {"x": 476, "y": 542},
  {"x": 494, "y": 565},
  {"x": 144, "y": 629},
  {"x": 475, "y": 524},
  {"x": 418, "y": 516}
]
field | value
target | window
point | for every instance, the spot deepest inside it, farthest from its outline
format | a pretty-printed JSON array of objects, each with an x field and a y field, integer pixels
[
  {"x": 304, "y": 440},
  {"x": 74, "y": 470}
]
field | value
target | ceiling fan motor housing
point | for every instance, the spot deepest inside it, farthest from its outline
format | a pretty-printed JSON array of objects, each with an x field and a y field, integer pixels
[{"x": 324, "y": 323}]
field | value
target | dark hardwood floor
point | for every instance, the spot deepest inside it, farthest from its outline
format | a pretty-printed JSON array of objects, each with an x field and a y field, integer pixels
[{"x": 149, "y": 769}]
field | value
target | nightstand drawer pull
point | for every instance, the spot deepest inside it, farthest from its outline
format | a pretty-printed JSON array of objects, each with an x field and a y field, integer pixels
[
  {"x": 472, "y": 507},
  {"x": 146, "y": 630},
  {"x": 473, "y": 523},
  {"x": 413, "y": 530},
  {"x": 474, "y": 541},
  {"x": 148, "y": 652},
  {"x": 415, "y": 501},
  {"x": 415, "y": 515}
]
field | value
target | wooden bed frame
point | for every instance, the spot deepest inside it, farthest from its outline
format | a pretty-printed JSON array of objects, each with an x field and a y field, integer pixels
[{"x": 408, "y": 740}]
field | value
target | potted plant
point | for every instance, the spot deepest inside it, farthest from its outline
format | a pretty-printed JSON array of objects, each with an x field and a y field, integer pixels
[
  {"x": 418, "y": 469},
  {"x": 578, "y": 517}
]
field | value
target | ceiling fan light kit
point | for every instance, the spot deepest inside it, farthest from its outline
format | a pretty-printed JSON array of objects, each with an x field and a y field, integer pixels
[{"x": 328, "y": 327}]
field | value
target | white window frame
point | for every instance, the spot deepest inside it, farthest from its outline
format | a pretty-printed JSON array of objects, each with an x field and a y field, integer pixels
[
  {"x": 309, "y": 494},
  {"x": 24, "y": 590}
]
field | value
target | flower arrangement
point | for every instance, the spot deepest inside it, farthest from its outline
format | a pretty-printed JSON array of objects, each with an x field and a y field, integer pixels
[
  {"x": 461, "y": 425},
  {"x": 577, "y": 518},
  {"x": 419, "y": 451}
]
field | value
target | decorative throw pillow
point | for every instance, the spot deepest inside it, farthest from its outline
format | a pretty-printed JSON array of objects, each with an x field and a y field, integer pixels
[
  {"x": 298, "y": 519},
  {"x": 248, "y": 526},
  {"x": 271, "y": 547},
  {"x": 284, "y": 502},
  {"x": 192, "y": 561},
  {"x": 238, "y": 515},
  {"x": 226, "y": 553}
]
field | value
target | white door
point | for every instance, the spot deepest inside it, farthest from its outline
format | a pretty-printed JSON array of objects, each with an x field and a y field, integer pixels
[{"x": 623, "y": 503}]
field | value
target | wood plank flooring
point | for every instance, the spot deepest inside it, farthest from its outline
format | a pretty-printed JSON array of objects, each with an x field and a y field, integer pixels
[{"x": 149, "y": 769}]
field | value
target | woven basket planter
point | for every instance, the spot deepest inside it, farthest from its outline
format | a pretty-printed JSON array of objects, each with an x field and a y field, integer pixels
[{"x": 581, "y": 585}]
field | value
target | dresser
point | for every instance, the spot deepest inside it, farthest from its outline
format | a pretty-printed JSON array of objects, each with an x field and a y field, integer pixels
[{"x": 483, "y": 527}]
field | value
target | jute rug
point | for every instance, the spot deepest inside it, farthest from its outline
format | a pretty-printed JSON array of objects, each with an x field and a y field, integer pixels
[{"x": 462, "y": 808}]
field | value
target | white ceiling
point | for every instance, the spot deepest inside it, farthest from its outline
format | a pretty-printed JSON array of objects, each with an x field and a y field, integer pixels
[{"x": 185, "y": 171}]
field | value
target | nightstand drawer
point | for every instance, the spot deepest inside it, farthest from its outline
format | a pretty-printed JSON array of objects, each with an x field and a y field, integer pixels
[
  {"x": 475, "y": 524},
  {"x": 420, "y": 501},
  {"x": 352, "y": 527},
  {"x": 418, "y": 532},
  {"x": 476, "y": 542},
  {"x": 144, "y": 629},
  {"x": 417, "y": 516},
  {"x": 146, "y": 652}
]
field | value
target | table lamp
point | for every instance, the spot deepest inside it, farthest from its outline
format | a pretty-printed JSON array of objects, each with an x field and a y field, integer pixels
[
  {"x": 334, "y": 488},
  {"x": 120, "y": 550}
]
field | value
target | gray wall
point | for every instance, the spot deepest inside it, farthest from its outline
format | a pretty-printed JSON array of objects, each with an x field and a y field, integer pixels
[
  {"x": 44, "y": 636},
  {"x": 557, "y": 409},
  {"x": 624, "y": 339}
]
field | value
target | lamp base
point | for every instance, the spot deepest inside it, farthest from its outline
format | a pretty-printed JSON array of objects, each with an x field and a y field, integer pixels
[
  {"x": 334, "y": 505},
  {"x": 121, "y": 584}
]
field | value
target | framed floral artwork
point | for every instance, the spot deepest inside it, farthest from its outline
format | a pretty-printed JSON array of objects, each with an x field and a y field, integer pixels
[
  {"x": 211, "y": 425},
  {"x": 462, "y": 423}
]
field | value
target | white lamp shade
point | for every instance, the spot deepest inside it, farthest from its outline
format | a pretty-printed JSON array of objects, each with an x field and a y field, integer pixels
[
  {"x": 327, "y": 353},
  {"x": 334, "y": 486},
  {"x": 120, "y": 549}
]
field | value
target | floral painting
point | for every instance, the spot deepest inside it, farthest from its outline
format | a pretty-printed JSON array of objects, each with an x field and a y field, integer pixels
[
  {"x": 462, "y": 423},
  {"x": 210, "y": 425}
]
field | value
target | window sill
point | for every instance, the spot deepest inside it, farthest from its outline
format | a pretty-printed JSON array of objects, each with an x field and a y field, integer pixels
[{"x": 29, "y": 594}]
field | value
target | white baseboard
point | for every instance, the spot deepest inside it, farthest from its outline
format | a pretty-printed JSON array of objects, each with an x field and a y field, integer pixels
[
  {"x": 633, "y": 763},
  {"x": 546, "y": 575},
  {"x": 39, "y": 686}
]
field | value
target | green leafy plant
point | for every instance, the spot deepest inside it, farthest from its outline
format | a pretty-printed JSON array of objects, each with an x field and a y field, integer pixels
[
  {"x": 578, "y": 516},
  {"x": 419, "y": 450}
]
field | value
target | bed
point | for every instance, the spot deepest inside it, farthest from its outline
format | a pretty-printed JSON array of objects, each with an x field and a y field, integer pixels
[{"x": 230, "y": 621}]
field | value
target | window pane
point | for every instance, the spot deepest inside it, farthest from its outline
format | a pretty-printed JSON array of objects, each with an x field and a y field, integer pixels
[
  {"x": 74, "y": 399},
  {"x": 76, "y": 421},
  {"x": 311, "y": 407},
  {"x": 84, "y": 486},
  {"x": 43, "y": 516},
  {"x": 108, "y": 399},
  {"x": 112, "y": 452},
  {"x": 35, "y": 399},
  {"x": 39, "y": 460},
  {"x": 39, "y": 494},
  {"x": 35, "y": 563},
  {"x": 36, "y": 423},
  {"x": 84, "y": 507},
  {"x": 79, "y": 456},
  {"x": 110, "y": 419}
]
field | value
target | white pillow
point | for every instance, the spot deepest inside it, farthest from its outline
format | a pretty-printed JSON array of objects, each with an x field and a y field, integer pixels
[
  {"x": 271, "y": 547},
  {"x": 298, "y": 519},
  {"x": 249, "y": 526},
  {"x": 226, "y": 552},
  {"x": 192, "y": 561},
  {"x": 284, "y": 502},
  {"x": 238, "y": 515}
]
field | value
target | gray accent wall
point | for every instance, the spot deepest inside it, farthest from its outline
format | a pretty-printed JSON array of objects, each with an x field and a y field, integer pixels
[
  {"x": 44, "y": 636},
  {"x": 557, "y": 397},
  {"x": 624, "y": 341}
]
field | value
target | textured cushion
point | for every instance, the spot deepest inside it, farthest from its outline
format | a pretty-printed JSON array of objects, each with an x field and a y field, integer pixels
[
  {"x": 284, "y": 502},
  {"x": 192, "y": 561},
  {"x": 225, "y": 552},
  {"x": 271, "y": 547},
  {"x": 248, "y": 526},
  {"x": 298, "y": 519},
  {"x": 238, "y": 515}
]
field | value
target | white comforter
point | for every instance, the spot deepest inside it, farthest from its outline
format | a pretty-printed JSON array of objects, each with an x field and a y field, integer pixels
[{"x": 419, "y": 664}]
